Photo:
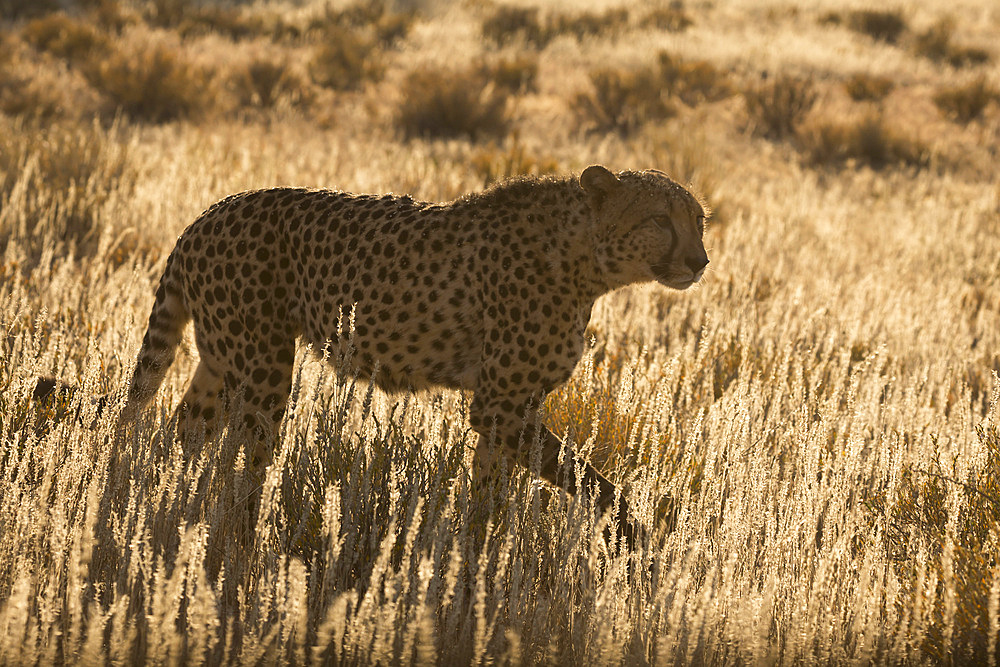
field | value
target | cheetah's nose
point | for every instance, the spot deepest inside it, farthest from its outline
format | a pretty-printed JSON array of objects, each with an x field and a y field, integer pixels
[{"x": 696, "y": 264}]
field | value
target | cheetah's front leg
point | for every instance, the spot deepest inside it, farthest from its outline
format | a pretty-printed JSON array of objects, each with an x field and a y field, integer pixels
[{"x": 516, "y": 431}]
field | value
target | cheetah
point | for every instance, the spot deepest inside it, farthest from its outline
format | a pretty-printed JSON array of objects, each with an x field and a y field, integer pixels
[{"x": 490, "y": 294}]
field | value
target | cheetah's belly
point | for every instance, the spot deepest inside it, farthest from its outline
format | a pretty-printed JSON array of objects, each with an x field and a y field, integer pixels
[
  {"x": 399, "y": 363},
  {"x": 435, "y": 340}
]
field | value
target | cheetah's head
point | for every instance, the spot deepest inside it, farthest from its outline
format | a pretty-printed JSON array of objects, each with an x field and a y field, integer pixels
[{"x": 647, "y": 227}]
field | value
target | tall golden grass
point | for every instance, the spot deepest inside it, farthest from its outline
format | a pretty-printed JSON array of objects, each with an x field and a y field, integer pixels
[{"x": 821, "y": 414}]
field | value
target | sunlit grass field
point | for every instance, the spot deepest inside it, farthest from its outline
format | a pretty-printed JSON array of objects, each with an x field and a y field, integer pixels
[{"x": 822, "y": 413}]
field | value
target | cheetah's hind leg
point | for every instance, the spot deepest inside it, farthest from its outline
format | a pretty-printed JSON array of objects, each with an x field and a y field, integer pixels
[
  {"x": 256, "y": 395},
  {"x": 199, "y": 408},
  {"x": 486, "y": 463}
]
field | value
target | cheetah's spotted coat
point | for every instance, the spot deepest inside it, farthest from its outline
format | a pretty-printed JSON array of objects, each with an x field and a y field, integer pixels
[{"x": 490, "y": 293}]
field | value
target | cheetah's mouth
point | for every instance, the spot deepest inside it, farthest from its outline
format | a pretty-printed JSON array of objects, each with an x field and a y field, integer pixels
[
  {"x": 668, "y": 276},
  {"x": 678, "y": 284}
]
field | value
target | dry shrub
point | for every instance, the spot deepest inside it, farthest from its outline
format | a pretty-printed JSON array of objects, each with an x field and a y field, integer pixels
[
  {"x": 965, "y": 103},
  {"x": 864, "y": 87},
  {"x": 693, "y": 81},
  {"x": 869, "y": 140},
  {"x": 959, "y": 550},
  {"x": 450, "y": 103},
  {"x": 193, "y": 18},
  {"x": 345, "y": 59},
  {"x": 388, "y": 26},
  {"x": 222, "y": 20},
  {"x": 263, "y": 82},
  {"x": 372, "y": 19},
  {"x": 507, "y": 24},
  {"x": 112, "y": 15},
  {"x": 671, "y": 19},
  {"x": 623, "y": 100},
  {"x": 30, "y": 96},
  {"x": 168, "y": 13},
  {"x": 12, "y": 81},
  {"x": 777, "y": 107},
  {"x": 66, "y": 37},
  {"x": 8, "y": 47},
  {"x": 41, "y": 88},
  {"x": 831, "y": 18},
  {"x": 21, "y": 9},
  {"x": 960, "y": 56},
  {"x": 152, "y": 83},
  {"x": 8, "y": 53},
  {"x": 498, "y": 162},
  {"x": 393, "y": 27},
  {"x": 936, "y": 44},
  {"x": 56, "y": 179},
  {"x": 590, "y": 24},
  {"x": 884, "y": 25},
  {"x": 516, "y": 74}
]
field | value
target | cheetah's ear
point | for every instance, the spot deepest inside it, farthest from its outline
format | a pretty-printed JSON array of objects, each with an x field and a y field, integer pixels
[{"x": 598, "y": 182}]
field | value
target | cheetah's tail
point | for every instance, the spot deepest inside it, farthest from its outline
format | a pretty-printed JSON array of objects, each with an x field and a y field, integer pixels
[
  {"x": 48, "y": 389},
  {"x": 163, "y": 335}
]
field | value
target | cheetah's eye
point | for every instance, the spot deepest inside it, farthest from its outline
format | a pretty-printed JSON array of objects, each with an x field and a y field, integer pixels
[
  {"x": 701, "y": 224},
  {"x": 662, "y": 221},
  {"x": 665, "y": 224}
]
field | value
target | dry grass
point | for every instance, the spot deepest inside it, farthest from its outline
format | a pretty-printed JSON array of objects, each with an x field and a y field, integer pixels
[
  {"x": 57, "y": 182},
  {"x": 812, "y": 434},
  {"x": 496, "y": 163}
]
